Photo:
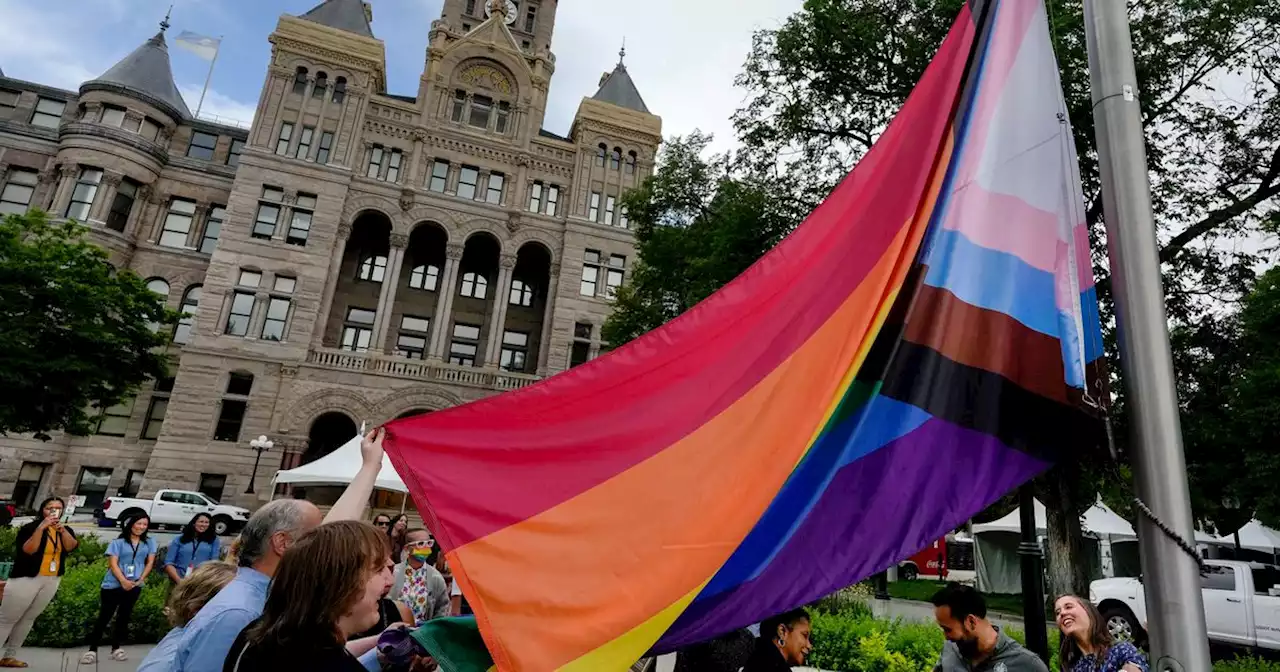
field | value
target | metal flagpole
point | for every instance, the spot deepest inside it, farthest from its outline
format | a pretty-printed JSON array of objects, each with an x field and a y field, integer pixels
[
  {"x": 1032, "y": 575},
  {"x": 1179, "y": 642},
  {"x": 208, "y": 77}
]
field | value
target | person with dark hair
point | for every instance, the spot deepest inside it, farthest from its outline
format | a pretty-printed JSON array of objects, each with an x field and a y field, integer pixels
[
  {"x": 326, "y": 590},
  {"x": 727, "y": 653},
  {"x": 130, "y": 557},
  {"x": 39, "y": 558},
  {"x": 397, "y": 534},
  {"x": 1086, "y": 645},
  {"x": 973, "y": 643},
  {"x": 783, "y": 643},
  {"x": 197, "y": 545},
  {"x": 383, "y": 522}
]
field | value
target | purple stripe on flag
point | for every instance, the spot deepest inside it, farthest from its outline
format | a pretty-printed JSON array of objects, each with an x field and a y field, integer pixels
[{"x": 875, "y": 512}]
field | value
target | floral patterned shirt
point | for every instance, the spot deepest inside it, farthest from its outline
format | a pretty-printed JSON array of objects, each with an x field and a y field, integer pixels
[
  {"x": 1118, "y": 656},
  {"x": 426, "y": 593}
]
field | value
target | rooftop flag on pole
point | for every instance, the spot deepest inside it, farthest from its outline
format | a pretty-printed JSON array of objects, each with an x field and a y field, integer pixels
[
  {"x": 200, "y": 45},
  {"x": 926, "y": 341}
]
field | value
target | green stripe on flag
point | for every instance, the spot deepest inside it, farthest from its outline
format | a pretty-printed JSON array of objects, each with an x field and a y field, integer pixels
[{"x": 456, "y": 644}]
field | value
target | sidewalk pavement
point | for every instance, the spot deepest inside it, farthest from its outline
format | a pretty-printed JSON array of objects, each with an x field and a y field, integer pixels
[{"x": 68, "y": 660}]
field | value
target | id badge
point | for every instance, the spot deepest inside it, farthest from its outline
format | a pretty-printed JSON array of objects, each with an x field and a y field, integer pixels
[
  {"x": 190, "y": 568},
  {"x": 53, "y": 566},
  {"x": 128, "y": 571}
]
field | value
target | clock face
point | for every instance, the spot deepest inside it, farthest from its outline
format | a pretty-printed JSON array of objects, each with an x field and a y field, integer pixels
[{"x": 511, "y": 11}]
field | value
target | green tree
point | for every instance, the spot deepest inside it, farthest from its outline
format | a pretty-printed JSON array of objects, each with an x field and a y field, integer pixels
[
  {"x": 74, "y": 333},
  {"x": 698, "y": 226},
  {"x": 821, "y": 88}
]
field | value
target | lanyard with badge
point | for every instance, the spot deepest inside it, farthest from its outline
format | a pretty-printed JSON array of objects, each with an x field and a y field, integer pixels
[
  {"x": 133, "y": 562},
  {"x": 195, "y": 550},
  {"x": 54, "y": 538}
]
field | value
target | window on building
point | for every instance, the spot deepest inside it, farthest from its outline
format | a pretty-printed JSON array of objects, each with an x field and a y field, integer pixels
[
  {"x": 425, "y": 276},
  {"x": 631, "y": 163},
  {"x": 82, "y": 196},
  {"x": 249, "y": 278},
  {"x": 464, "y": 345},
  {"x": 9, "y": 99},
  {"x": 284, "y": 284},
  {"x": 593, "y": 213},
  {"x": 515, "y": 351},
  {"x": 155, "y": 411},
  {"x": 240, "y": 314},
  {"x": 530, "y": 19},
  {"x": 439, "y": 176},
  {"x": 623, "y": 220},
  {"x": 122, "y": 205},
  {"x": 212, "y": 228},
  {"x": 92, "y": 485},
  {"x": 150, "y": 129},
  {"x": 300, "y": 80},
  {"x": 615, "y": 159},
  {"x": 212, "y": 486},
  {"x": 233, "y": 407},
  {"x": 132, "y": 483},
  {"x": 177, "y": 223},
  {"x": 132, "y": 124},
  {"x": 412, "y": 341},
  {"x": 602, "y": 150},
  {"x": 468, "y": 177},
  {"x": 268, "y": 217},
  {"x": 48, "y": 113},
  {"x": 553, "y": 199},
  {"x": 372, "y": 268},
  {"x": 326, "y": 144},
  {"x": 393, "y": 165},
  {"x": 159, "y": 286},
  {"x": 202, "y": 145},
  {"x": 613, "y": 279},
  {"x": 459, "y": 105},
  {"x": 114, "y": 420},
  {"x": 376, "y": 154},
  {"x": 474, "y": 285},
  {"x": 300, "y": 220},
  {"x": 339, "y": 89},
  {"x": 471, "y": 8},
  {"x": 521, "y": 293},
  {"x": 282, "y": 142},
  {"x": 20, "y": 184},
  {"x": 501, "y": 117},
  {"x": 610, "y": 207},
  {"x": 481, "y": 107},
  {"x": 579, "y": 353},
  {"x": 590, "y": 273},
  {"x": 357, "y": 330},
  {"x": 276, "y": 318},
  {"x": 304, "y": 142},
  {"x": 190, "y": 302},
  {"x": 322, "y": 84},
  {"x": 113, "y": 116},
  {"x": 535, "y": 197},
  {"x": 233, "y": 155},
  {"x": 494, "y": 196},
  {"x": 25, "y": 491}
]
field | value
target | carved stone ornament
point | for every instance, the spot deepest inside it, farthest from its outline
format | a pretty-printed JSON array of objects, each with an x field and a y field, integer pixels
[
  {"x": 344, "y": 230},
  {"x": 453, "y": 251},
  {"x": 112, "y": 179},
  {"x": 399, "y": 240},
  {"x": 486, "y": 77},
  {"x": 68, "y": 170},
  {"x": 523, "y": 160},
  {"x": 406, "y": 199},
  {"x": 507, "y": 261},
  {"x": 144, "y": 193},
  {"x": 555, "y": 269},
  {"x": 290, "y": 197},
  {"x": 419, "y": 135},
  {"x": 48, "y": 176},
  {"x": 513, "y": 222},
  {"x": 290, "y": 371}
]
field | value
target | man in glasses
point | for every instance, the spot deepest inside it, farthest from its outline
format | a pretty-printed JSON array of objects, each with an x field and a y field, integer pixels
[{"x": 417, "y": 582}]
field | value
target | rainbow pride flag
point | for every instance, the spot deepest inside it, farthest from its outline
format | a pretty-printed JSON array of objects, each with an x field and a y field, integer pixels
[{"x": 925, "y": 342}]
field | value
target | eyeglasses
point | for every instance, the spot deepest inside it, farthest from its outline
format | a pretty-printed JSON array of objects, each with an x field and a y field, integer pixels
[{"x": 382, "y": 524}]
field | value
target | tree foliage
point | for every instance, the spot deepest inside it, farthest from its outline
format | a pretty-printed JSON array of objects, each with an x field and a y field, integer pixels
[{"x": 74, "y": 333}]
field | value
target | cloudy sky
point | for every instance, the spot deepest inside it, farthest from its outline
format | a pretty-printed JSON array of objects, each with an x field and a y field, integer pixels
[{"x": 683, "y": 55}]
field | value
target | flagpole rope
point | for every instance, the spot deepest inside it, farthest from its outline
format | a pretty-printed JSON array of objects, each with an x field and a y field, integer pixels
[{"x": 1186, "y": 547}]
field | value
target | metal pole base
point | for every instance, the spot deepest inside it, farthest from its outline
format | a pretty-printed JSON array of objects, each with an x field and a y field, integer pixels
[{"x": 1032, "y": 577}]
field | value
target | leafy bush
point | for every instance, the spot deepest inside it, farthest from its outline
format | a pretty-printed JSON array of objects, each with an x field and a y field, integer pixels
[
  {"x": 74, "y": 609},
  {"x": 1246, "y": 664}
]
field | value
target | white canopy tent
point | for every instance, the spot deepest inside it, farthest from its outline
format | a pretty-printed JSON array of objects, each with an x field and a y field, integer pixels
[
  {"x": 1099, "y": 520},
  {"x": 338, "y": 468},
  {"x": 1256, "y": 537}
]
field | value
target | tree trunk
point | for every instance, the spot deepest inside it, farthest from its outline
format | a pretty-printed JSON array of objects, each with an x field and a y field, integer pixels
[{"x": 1067, "y": 564}]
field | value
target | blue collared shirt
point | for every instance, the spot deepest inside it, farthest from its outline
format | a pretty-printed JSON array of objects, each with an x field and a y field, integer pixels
[
  {"x": 186, "y": 556},
  {"x": 209, "y": 636},
  {"x": 161, "y": 658},
  {"x": 132, "y": 559}
]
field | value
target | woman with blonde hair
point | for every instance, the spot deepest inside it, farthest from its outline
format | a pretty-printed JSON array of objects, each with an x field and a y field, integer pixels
[
  {"x": 187, "y": 598},
  {"x": 1086, "y": 645},
  {"x": 325, "y": 590}
]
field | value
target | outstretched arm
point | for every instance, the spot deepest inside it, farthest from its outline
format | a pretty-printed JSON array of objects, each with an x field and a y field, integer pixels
[{"x": 351, "y": 505}]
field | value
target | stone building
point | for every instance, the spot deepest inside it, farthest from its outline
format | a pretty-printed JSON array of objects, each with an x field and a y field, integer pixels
[{"x": 353, "y": 256}]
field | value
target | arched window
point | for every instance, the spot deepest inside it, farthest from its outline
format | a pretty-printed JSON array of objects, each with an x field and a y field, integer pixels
[
  {"x": 615, "y": 159},
  {"x": 521, "y": 293},
  {"x": 425, "y": 276},
  {"x": 373, "y": 268},
  {"x": 300, "y": 80},
  {"x": 190, "y": 302},
  {"x": 603, "y": 150},
  {"x": 631, "y": 163},
  {"x": 159, "y": 286},
  {"x": 322, "y": 83},
  {"x": 339, "y": 89},
  {"x": 475, "y": 285}
]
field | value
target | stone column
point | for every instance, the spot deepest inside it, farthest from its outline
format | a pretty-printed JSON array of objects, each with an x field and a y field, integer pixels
[
  {"x": 106, "y": 194},
  {"x": 47, "y": 183},
  {"x": 319, "y": 131},
  {"x": 444, "y": 305},
  {"x": 66, "y": 182},
  {"x": 572, "y": 200},
  {"x": 415, "y": 158},
  {"x": 498, "y": 318},
  {"x": 297, "y": 119},
  {"x": 387, "y": 299},
  {"x": 520, "y": 192},
  {"x": 482, "y": 186},
  {"x": 197, "y": 220},
  {"x": 140, "y": 203},
  {"x": 548, "y": 319},
  {"x": 150, "y": 223},
  {"x": 330, "y": 285}
]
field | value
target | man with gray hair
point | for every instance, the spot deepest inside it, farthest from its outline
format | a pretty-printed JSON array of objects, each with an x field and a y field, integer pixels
[{"x": 270, "y": 532}]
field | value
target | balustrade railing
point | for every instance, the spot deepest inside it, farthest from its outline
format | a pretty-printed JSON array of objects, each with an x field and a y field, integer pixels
[{"x": 391, "y": 365}]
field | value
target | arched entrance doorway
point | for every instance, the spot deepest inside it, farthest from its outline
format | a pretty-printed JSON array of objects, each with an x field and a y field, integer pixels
[
  {"x": 412, "y": 412},
  {"x": 328, "y": 433}
]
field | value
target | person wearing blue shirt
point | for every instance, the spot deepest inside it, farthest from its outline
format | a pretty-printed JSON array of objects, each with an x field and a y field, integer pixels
[
  {"x": 197, "y": 545},
  {"x": 270, "y": 532},
  {"x": 131, "y": 558}
]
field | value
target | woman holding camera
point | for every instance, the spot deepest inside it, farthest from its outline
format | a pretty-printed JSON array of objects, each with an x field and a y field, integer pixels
[{"x": 38, "y": 561}]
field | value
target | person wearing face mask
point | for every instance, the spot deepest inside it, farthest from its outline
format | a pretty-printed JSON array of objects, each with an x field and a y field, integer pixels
[
  {"x": 783, "y": 643},
  {"x": 973, "y": 643},
  {"x": 1086, "y": 645},
  {"x": 38, "y": 562},
  {"x": 418, "y": 584}
]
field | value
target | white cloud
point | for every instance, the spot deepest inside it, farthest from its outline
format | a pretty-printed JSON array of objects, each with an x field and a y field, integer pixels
[{"x": 219, "y": 107}]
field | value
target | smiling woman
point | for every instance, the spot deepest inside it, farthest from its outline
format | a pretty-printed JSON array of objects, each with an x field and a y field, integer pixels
[{"x": 1086, "y": 645}]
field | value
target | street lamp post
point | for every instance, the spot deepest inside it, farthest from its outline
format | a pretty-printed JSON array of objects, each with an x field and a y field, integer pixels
[{"x": 261, "y": 444}]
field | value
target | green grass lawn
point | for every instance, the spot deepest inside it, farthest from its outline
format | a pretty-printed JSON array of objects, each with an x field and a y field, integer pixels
[{"x": 922, "y": 590}]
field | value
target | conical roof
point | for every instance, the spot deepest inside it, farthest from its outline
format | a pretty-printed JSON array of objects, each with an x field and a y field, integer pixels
[
  {"x": 617, "y": 88},
  {"x": 145, "y": 74},
  {"x": 348, "y": 15}
]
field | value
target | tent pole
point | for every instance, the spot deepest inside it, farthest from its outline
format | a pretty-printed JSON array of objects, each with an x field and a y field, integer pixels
[{"x": 404, "y": 501}]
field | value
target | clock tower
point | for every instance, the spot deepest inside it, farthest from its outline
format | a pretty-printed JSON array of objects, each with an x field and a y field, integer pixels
[{"x": 530, "y": 21}]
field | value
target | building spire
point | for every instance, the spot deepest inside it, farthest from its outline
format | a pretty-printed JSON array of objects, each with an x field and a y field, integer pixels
[
  {"x": 164, "y": 24},
  {"x": 622, "y": 53}
]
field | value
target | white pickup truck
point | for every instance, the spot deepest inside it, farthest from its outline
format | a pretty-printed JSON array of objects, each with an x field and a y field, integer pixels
[
  {"x": 175, "y": 508},
  {"x": 1241, "y": 604}
]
